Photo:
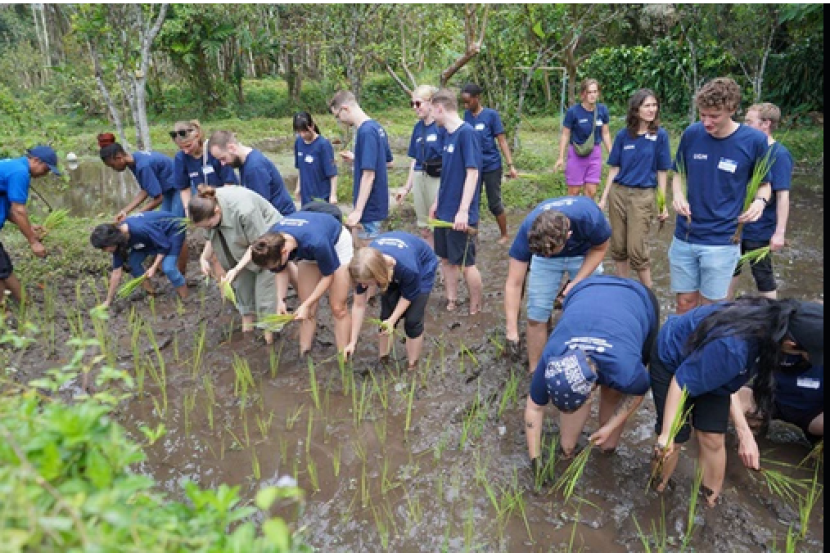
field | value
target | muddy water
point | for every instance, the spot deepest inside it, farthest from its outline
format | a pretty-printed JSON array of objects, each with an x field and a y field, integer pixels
[{"x": 436, "y": 460}]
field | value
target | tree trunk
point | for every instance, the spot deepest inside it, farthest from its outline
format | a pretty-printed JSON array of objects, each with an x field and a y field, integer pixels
[
  {"x": 102, "y": 87},
  {"x": 474, "y": 38}
]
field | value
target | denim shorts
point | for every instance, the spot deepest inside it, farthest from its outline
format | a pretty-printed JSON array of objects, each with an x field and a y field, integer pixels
[
  {"x": 545, "y": 280},
  {"x": 701, "y": 268},
  {"x": 370, "y": 230}
]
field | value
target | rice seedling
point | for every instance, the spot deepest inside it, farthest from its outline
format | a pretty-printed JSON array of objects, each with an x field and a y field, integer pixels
[
  {"x": 273, "y": 323},
  {"x": 759, "y": 173},
  {"x": 99, "y": 319},
  {"x": 237, "y": 443},
  {"x": 55, "y": 219},
  {"x": 660, "y": 197},
  {"x": 274, "y": 359},
  {"x": 545, "y": 473},
  {"x": 292, "y": 417},
  {"x": 754, "y": 256},
  {"x": 816, "y": 454},
  {"x": 360, "y": 403},
  {"x": 211, "y": 398},
  {"x": 153, "y": 434},
  {"x": 469, "y": 526},
  {"x": 382, "y": 528},
  {"x": 283, "y": 445},
  {"x": 312, "y": 379},
  {"x": 464, "y": 350},
  {"x": 414, "y": 509},
  {"x": 381, "y": 391},
  {"x": 364, "y": 487},
  {"x": 567, "y": 483},
  {"x": 161, "y": 383},
  {"x": 345, "y": 375},
  {"x": 335, "y": 460},
  {"x": 309, "y": 431},
  {"x": 311, "y": 469},
  {"x": 808, "y": 502},
  {"x": 440, "y": 446},
  {"x": 198, "y": 349},
  {"x": 176, "y": 347},
  {"x": 189, "y": 404},
  {"x": 690, "y": 520},
  {"x": 677, "y": 423},
  {"x": 783, "y": 485},
  {"x": 510, "y": 395},
  {"x": 228, "y": 292},
  {"x": 387, "y": 482},
  {"x": 255, "y": 469},
  {"x": 380, "y": 430},
  {"x": 243, "y": 380},
  {"x": 264, "y": 425},
  {"x": 409, "y": 399},
  {"x": 126, "y": 289},
  {"x": 151, "y": 303}
]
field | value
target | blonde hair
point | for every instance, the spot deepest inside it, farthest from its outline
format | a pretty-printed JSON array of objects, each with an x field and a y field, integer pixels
[
  {"x": 425, "y": 91},
  {"x": 369, "y": 264},
  {"x": 187, "y": 125},
  {"x": 446, "y": 98},
  {"x": 586, "y": 84},
  {"x": 767, "y": 112}
]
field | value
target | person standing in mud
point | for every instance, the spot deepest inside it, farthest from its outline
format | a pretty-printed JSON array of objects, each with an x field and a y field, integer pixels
[
  {"x": 425, "y": 148},
  {"x": 154, "y": 173},
  {"x": 137, "y": 237},
  {"x": 256, "y": 172},
  {"x": 194, "y": 164},
  {"x": 639, "y": 162},
  {"x": 235, "y": 217},
  {"x": 603, "y": 339},
  {"x": 15, "y": 178},
  {"x": 403, "y": 267},
  {"x": 560, "y": 235},
  {"x": 710, "y": 352},
  {"x": 322, "y": 248},
  {"x": 585, "y": 123},
  {"x": 718, "y": 157},
  {"x": 314, "y": 161},
  {"x": 488, "y": 125},
  {"x": 457, "y": 202},
  {"x": 370, "y": 158},
  {"x": 771, "y": 229}
]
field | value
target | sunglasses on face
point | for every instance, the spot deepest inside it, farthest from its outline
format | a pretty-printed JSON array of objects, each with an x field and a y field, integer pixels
[
  {"x": 416, "y": 103},
  {"x": 180, "y": 134}
]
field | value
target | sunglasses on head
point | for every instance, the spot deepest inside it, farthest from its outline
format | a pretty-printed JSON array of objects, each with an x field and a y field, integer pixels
[
  {"x": 416, "y": 103},
  {"x": 180, "y": 134}
]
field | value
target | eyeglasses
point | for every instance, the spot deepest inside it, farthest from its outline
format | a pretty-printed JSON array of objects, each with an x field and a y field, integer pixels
[
  {"x": 180, "y": 134},
  {"x": 415, "y": 103}
]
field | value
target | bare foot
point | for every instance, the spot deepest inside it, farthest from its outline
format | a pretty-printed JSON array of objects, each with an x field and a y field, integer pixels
[
  {"x": 503, "y": 240},
  {"x": 452, "y": 305},
  {"x": 474, "y": 310},
  {"x": 412, "y": 366}
]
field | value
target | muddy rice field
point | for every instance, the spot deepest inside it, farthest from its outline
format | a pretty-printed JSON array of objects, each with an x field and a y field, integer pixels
[{"x": 428, "y": 461}]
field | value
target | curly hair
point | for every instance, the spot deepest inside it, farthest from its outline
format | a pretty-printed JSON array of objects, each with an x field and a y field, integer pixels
[
  {"x": 720, "y": 93},
  {"x": 548, "y": 233}
]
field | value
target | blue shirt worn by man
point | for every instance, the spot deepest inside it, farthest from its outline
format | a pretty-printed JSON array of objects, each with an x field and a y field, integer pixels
[
  {"x": 610, "y": 319},
  {"x": 589, "y": 227},
  {"x": 718, "y": 171},
  {"x": 415, "y": 262},
  {"x": 14, "y": 185},
  {"x": 259, "y": 174},
  {"x": 488, "y": 126},
  {"x": 152, "y": 233},
  {"x": 427, "y": 142},
  {"x": 190, "y": 172},
  {"x": 316, "y": 165},
  {"x": 803, "y": 393},
  {"x": 372, "y": 152},
  {"x": 640, "y": 158},
  {"x": 781, "y": 173},
  {"x": 316, "y": 235},
  {"x": 720, "y": 367},
  {"x": 579, "y": 120},
  {"x": 462, "y": 151},
  {"x": 154, "y": 173}
]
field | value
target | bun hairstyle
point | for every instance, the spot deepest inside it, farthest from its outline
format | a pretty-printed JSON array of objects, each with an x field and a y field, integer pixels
[
  {"x": 108, "y": 234},
  {"x": 267, "y": 249},
  {"x": 203, "y": 205},
  {"x": 303, "y": 121},
  {"x": 105, "y": 139}
]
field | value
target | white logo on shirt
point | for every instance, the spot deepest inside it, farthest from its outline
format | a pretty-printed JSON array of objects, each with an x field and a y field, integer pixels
[
  {"x": 432, "y": 138},
  {"x": 587, "y": 343},
  {"x": 293, "y": 222},
  {"x": 479, "y": 126},
  {"x": 450, "y": 148},
  {"x": 702, "y": 157},
  {"x": 558, "y": 203},
  {"x": 629, "y": 147},
  {"x": 309, "y": 159},
  {"x": 396, "y": 242},
  {"x": 807, "y": 382}
]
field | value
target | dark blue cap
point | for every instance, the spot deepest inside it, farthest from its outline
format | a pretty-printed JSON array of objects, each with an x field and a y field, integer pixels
[{"x": 47, "y": 155}]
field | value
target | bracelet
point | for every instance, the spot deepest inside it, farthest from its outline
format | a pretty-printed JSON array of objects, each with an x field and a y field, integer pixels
[{"x": 762, "y": 199}]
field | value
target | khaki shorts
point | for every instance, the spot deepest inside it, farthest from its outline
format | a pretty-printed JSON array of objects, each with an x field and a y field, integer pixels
[
  {"x": 630, "y": 212},
  {"x": 424, "y": 191}
]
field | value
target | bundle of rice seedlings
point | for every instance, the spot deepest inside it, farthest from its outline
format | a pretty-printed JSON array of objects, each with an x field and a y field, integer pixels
[
  {"x": 783, "y": 485},
  {"x": 436, "y": 223},
  {"x": 573, "y": 473},
  {"x": 816, "y": 454},
  {"x": 274, "y": 323},
  {"x": 677, "y": 423},
  {"x": 380, "y": 324},
  {"x": 660, "y": 197},
  {"x": 758, "y": 173},
  {"x": 227, "y": 292},
  {"x": 754, "y": 256},
  {"x": 55, "y": 219},
  {"x": 130, "y": 286}
]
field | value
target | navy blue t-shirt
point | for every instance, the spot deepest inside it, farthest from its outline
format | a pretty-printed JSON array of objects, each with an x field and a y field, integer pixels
[
  {"x": 488, "y": 126},
  {"x": 462, "y": 151},
  {"x": 190, "y": 172},
  {"x": 427, "y": 142},
  {"x": 781, "y": 174},
  {"x": 152, "y": 233},
  {"x": 259, "y": 174},
  {"x": 579, "y": 120},
  {"x": 415, "y": 263},
  {"x": 317, "y": 166},
  {"x": 720, "y": 367},
  {"x": 372, "y": 152},
  {"x": 609, "y": 318},
  {"x": 14, "y": 185},
  {"x": 640, "y": 158},
  {"x": 718, "y": 171},
  {"x": 154, "y": 173},
  {"x": 589, "y": 227},
  {"x": 800, "y": 392},
  {"x": 316, "y": 235}
]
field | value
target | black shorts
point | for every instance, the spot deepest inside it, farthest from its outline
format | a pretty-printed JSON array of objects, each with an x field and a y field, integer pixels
[
  {"x": 491, "y": 182},
  {"x": 456, "y": 246},
  {"x": 710, "y": 412},
  {"x": 6, "y": 267},
  {"x": 762, "y": 271},
  {"x": 798, "y": 417},
  {"x": 413, "y": 317}
]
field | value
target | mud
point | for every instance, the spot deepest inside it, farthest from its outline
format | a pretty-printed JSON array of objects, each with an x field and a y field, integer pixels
[{"x": 447, "y": 471}]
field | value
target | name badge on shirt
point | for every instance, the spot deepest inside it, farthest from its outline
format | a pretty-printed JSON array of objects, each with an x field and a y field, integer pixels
[
  {"x": 599, "y": 122},
  {"x": 652, "y": 137},
  {"x": 309, "y": 159},
  {"x": 207, "y": 170},
  {"x": 727, "y": 165},
  {"x": 479, "y": 126},
  {"x": 432, "y": 138},
  {"x": 806, "y": 382},
  {"x": 450, "y": 148}
]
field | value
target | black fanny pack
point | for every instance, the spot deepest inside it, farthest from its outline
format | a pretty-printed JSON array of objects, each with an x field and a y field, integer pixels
[{"x": 432, "y": 167}]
